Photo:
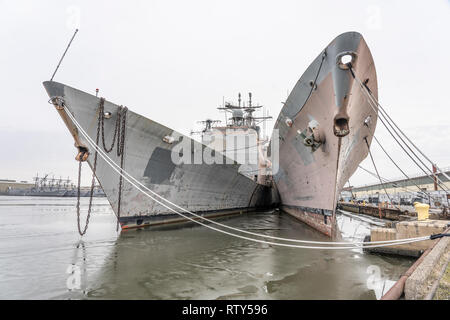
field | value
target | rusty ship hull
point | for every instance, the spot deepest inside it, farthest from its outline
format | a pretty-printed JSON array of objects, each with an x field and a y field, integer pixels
[
  {"x": 206, "y": 189},
  {"x": 327, "y": 108}
]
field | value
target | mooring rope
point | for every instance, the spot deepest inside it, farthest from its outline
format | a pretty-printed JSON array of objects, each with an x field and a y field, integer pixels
[
  {"x": 384, "y": 114},
  {"x": 429, "y": 195},
  {"x": 388, "y": 119},
  {"x": 406, "y": 137},
  {"x": 353, "y": 245},
  {"x": 387, "y": 181},
  {"x": 379, "y": 177}
]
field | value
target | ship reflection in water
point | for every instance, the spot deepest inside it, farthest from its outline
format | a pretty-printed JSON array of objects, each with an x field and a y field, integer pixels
[{"x": 41, "y": 255}]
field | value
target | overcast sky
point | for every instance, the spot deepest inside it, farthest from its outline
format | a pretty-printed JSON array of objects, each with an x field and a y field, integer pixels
[{"x": 173, "y": 61}]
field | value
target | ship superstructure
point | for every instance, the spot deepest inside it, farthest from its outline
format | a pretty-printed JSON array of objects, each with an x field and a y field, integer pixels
[{"x": 240, "y": 138}]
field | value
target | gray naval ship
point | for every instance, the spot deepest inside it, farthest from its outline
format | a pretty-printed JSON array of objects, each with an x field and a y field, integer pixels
[
  {"x": 147, "y": 152},
  {"x": 324, "y": 131}
]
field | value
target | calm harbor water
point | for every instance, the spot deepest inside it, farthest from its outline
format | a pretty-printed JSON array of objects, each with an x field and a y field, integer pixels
[{"x": 43, "y": 257}]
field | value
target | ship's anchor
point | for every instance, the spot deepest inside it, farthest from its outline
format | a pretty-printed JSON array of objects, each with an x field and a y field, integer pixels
[{"x": 311, "y": 136}]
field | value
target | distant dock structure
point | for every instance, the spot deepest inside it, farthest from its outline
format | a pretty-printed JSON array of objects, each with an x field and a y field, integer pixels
[
  {"x": 404, "y": 191},
  {"x": 45, "y": 187},
  {"x": 7, "y": 184}
]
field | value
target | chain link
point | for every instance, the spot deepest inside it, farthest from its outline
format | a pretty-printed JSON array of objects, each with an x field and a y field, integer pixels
[
  {"x": 116, "y": 129},
  {"x": 119, "y": 132},
  {"x": 120, "y": 153}
]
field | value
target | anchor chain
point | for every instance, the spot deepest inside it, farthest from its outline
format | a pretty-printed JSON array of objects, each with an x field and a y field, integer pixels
[
  {"x": 83, "y": 157},
  {"x": 119, "y": 133},
  {"x": 120, "y": 153}
]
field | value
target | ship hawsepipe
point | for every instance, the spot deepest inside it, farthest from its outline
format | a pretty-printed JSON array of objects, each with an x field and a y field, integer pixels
[{"x": 323, "y": 127}]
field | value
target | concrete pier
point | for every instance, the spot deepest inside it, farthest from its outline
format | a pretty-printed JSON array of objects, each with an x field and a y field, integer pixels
[
  {"x": 405, "y": 230},
  {"x": 428, "y": 281},
  {"x": 429, "y": 277}
]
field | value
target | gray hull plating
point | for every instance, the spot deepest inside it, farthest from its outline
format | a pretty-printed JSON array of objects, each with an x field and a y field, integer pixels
[
  {"x": 330, "y": 100},
  {"x": 209, "y": 189}
]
